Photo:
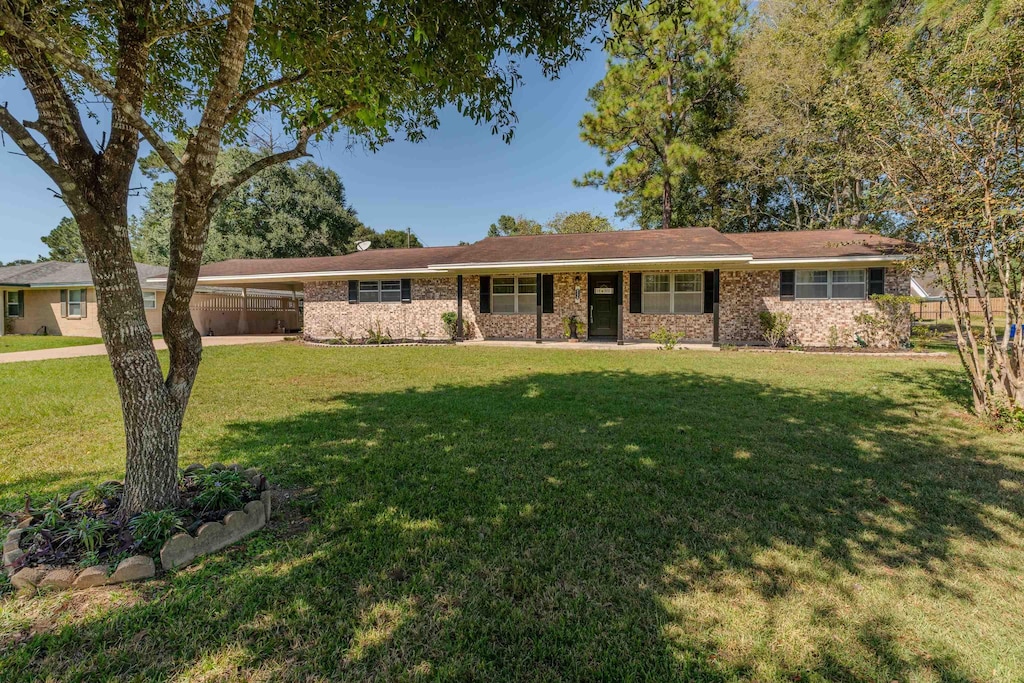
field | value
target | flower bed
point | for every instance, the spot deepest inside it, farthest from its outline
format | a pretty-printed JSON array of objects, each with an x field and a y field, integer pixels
[{"x": 77, "y": 542}]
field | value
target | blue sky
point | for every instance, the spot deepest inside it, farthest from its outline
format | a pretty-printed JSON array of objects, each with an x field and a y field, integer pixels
[{"x": 449, "y": 188}]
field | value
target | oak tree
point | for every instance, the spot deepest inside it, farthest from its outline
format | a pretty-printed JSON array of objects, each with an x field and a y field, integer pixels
[{"x": 201, "y": 73}]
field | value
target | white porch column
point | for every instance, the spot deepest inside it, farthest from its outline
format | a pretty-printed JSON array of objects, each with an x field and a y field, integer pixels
[{"x": 243, "y": 318}]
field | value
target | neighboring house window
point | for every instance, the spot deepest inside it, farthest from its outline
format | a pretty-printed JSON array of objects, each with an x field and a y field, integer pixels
[
  {"x": 149, "y": 300},
  {"x": 681, "y": 293},
  {"x": 831, "y": 284},
  {"x": 14, "y": 304},
  {"x": 376, "y": 291},
  {"x": 75, "y": 299},
  {"x": 514, "y": 295}
]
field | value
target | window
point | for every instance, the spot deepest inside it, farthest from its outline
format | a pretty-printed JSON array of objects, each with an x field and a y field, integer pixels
[
  {"x": 831, "y": 284},
  {"x": 76, "y": 297},
  {"x": 149, "y": 300},
  {"x": 375, "y": 291},
  {"x": 680, "y": 293},
  {"x": 514, "y": 294},
  {"x": 14, "y": 304},
  {"x": 848, "y": 284}
]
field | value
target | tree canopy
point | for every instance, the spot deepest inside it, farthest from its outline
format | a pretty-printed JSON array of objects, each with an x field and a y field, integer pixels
[
  {"x": 667, "y": 91},
  {"x": 64, "y": 242},
  {"x": 285, "y": 211},
  {"x": 562, "y": 222}
]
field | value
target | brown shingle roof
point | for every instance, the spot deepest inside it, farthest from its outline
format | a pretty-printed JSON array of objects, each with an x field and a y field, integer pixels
[
  {"x": 372, "y": 259},
  {"x": 695, "y": 243},
  {"x": 815, "y": 244},
  {"x": 676, "y": 242}
]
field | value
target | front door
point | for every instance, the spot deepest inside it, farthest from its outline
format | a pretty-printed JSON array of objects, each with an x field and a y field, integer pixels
[{"x": 604, "y": 305}]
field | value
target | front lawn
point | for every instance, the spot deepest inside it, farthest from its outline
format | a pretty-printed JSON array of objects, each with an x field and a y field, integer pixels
[
  {"x": 10, "y": 343},
  {"x": 530, "y": 514}
]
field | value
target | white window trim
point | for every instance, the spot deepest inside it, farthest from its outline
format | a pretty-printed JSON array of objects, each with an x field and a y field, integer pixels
[
  {"x": 515, "y": 295},
  {"x": 7, "y": 306},
  {"x": 79, "y": 303},
  {"x": 672, "y": 292},
  {"x": 145, "y": 301},
  {"x": 828, "y": 296},
  {"x": 379, "y": 291}
]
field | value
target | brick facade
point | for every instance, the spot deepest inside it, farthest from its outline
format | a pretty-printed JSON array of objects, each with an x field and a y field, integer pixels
[{"x": 744, "y": 294}]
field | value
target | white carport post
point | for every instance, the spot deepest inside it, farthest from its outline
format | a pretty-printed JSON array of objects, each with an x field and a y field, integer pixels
[{"x": 243, "y": 319}]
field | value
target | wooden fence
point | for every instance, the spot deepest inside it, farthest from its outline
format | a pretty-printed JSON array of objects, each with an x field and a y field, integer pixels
[{"x": 941, "y": 310}]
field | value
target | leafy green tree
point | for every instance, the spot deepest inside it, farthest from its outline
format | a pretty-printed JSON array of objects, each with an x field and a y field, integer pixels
[
  {"x": 577, "y": 222},
  {"x": 389, "y": 239},
  {"x": 65, "y": 243},
  {"x": 665, "y": 96},
  {"x": 942, "y": 109},
  {"x": 508, "y": 226},
  {"x": 286, "y": 211},
  {"x": 17, "y": 262},
  {"x": 201, "y": 73}
]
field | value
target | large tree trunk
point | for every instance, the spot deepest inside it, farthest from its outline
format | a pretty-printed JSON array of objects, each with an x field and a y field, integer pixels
[{"x": 152, "y": 415}]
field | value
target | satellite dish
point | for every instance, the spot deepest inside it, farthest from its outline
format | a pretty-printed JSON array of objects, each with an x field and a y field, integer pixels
[{"x": 363, "y": 246}]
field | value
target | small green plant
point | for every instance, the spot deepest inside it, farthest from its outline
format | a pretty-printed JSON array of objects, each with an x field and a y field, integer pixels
[
  {"x": 86, "y": 531},
  {"x": 53, "y": 512},
  {"x": 890, "y": 324},
  {"x": 574, "y": 327},
  {"x": 5, "y": 584},
  {"x": 152, "y": 529},
  {"x": 450, "y": 320},
  {"x": 775, "y": 327},
  {"x": 96, "y": 495},
  {"x": 90, "y": 559},
  {"x": 729, "y": 347},
  {"x": 666, "y": 340},
  {"x": 221, "y": 490},
  {"x": 377, "y": 334},
  {"x": 833, "y": 338}
]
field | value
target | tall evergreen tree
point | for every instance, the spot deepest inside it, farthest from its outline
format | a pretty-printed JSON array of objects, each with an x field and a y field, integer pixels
[
  {"x": 665, "y": 97},
  {"x": 64, "y": 242}
]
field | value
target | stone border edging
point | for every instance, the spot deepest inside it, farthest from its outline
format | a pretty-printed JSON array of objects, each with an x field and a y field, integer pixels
[
  {"x": 180, "y": 550},
  {"x": 324, "y": 345}
]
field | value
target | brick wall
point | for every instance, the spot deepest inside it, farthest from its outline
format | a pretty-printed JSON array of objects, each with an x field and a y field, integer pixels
[
  {"x": 744, "y": 294},
  {"x": 697, "y": 327},
  {"x": 43, "y": 309}
]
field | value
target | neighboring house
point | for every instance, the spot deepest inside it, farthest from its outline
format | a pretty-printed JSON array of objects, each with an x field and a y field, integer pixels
[
  {"x": 57, "y": 298},
  {"x": 927, "y": 286},
  {"x": 626, "y": 285}
]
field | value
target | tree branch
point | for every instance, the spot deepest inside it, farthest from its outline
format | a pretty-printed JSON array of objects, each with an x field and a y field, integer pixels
[
  {"x": 185, "y": 28},
  {"x": 298, "y": 151},
  {"x": 243, "y": 99},
  {"x": 10, "y": 24},
  {"x": 34, "y": 151}
]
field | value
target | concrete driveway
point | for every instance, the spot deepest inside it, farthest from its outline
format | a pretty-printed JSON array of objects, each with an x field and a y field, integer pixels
[{"x": 101, "y": 350}]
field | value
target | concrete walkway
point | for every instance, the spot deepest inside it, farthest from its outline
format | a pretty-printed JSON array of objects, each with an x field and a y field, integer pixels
[
  {"x": 586, "y": 345},
  {"x": 101, "y": 350}
]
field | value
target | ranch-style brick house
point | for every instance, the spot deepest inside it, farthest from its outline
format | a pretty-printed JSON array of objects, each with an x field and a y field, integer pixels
[{"x": 624, "y": 285}]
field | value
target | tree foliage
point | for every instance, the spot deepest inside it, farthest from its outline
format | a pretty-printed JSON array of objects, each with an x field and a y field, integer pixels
[
  {"x": 386, "y": 239},
  {"x": 286, "y": 211},
  {"x": 508, "y": 226},
  {"x": 188, "y": 77},
  {"x": 65, "y": 243},
  {"x": 578, "y": 222},
  {"x": 667, "y": 92}
]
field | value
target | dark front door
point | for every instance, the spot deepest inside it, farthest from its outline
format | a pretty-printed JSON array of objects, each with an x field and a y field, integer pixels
[{"x": 604, "y": 305}]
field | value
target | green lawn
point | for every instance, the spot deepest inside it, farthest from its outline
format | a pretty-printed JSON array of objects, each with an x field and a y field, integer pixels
[
  {"x": 529, "y": 514},
  {"x": 27, "y": 342}
]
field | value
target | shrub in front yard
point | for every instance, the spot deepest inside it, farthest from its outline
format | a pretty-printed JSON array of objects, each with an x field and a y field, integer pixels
[{"x": 775, "y": 327}]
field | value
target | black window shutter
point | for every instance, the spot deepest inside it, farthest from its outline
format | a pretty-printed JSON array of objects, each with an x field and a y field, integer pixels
[
  {"x": 787, "y": 284},
  {"x": 353, "y": 291},
  {"x": 709, "y": 291},
  {"x": 636, "y": 292},
  {"x": 548, "y": 288},
  {"x": 485, "y": 293},
  {"x": 876, "y": 281},
  {"x": 21, "y": 304},
  {"x": 406, "y": 290}
]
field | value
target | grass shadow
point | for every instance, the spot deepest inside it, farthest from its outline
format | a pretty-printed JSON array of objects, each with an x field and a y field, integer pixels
[{"x": 587, "y": 526}]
